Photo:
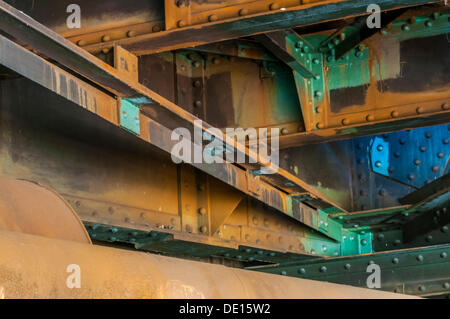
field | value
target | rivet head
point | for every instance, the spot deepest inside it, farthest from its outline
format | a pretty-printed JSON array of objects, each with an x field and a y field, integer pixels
[
  {"x": 380, "y": 236},
  {"x": 445, "y": 106},
  {"x": 377, "y": 164},
  {"x": 394, "y": 113},
  {"x": 181, "y": 23},
  {"x": 202, "y": 211},
  {"x": 156, "y": 28},
  {"x": 446, "y": 285},
  {"x": 370, "y": 118},
  {"x": 131, "y": 33},
  {"x": 444, "y": 229},
  {"x": 347, "y": 266},
  {"x": 421, "y": 288},
  {"x": 345, "y": 121},
  {"x": 364, "y": 242},
  {"x": 419, "y": 258},
  {"x": 274, "y": 6},
  {"x": 443, "y": 254},
  {"x": 106, "y": 38},
  {"x": 203, "y": 229},
  {"x": 419, "y": 110},
  {"x": 243, "y": 12},
  {"x": 379, "y": 148},
  {"x": 212, "y": 18},
  {"x": 81, "y": 42},
  {"x": 395, "y": 260},
  {"x": 284, "y": 131},
  {"x": 302, "y": 271},
  {"x": 429, "y": 238},
  {"x": 323, "y": 269},
  {"x": 319, "y": 125},
  {"x": 283, "y": 273},
  {"x": 317, "y": 93},
  {"x": 405, "y": 27}
]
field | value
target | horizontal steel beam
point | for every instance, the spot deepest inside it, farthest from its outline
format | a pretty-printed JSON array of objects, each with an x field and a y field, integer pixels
[
  {"x": 241, "y": 26},
  {"x": 419, "y": 271},
  {"x": 29, "y": 271}
]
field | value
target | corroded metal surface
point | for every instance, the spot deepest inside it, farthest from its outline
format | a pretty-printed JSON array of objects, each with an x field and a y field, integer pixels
[
  {"x": 35, "y": 267},
  {"x": 29, "y": 208}
]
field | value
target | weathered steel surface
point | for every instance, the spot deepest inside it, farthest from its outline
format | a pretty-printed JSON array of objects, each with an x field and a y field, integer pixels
[
  {"x": 27, "y": 207},
  {"x": 36, "y": 267},
  {"x": 240, "y": 26}
]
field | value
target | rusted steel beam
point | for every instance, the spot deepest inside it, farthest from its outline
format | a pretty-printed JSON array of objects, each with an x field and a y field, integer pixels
[
  {"x": 116, "y": 273},
  {"x": 275, "y": 42},
  {"x": 240, "y": 26},
  {"x": 384, "y": 126}
]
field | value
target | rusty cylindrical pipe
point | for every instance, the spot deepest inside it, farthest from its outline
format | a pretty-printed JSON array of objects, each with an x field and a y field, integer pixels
[{"x": 37, "y": 267}]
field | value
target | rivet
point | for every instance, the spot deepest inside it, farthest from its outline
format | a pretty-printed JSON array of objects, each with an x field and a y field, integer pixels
[
  {"x": 274, "y": 6},
  {"x": 446, "y": 285},
  {"x": 319, "y": 125},
  {"x": 283, "y": 273},
  {"x": 112, "y": 238},
  {"x": 380, "y": 237},
  {"x": 347, "y": 266},
  {"x": 364, "y": 242},
  {"x": 422, "y": 288},
  {"x": 397, "y": 242},
  {"x": 370, "y": 118},
  {"x": 379, "y": 148},
  {"x": 445, "y": 141},
  {"x": 429, "y": 238},
  {"x": 284, "y": 131},
  {"x": 203, "y": 229},
  {"x": 81, "y": 42},
  {"x": 428, "y": 23},
  {"x": 377, "y": 164},
  {"x": 197, "y": 84},
  {"x": 443, "y": 254},
  {"x": 202, "y": 211},
  {"x": 212, "y": 18},
  {"x": 419, "y": 258},
  {"x": 345, "y": 121},
  {"x": 396, "y": 154},
  {"x": 395, "y": 260},
  {"x": 440, "y": 155},
  {"x": 435, "y": 168},
  {"x": 198, "y": 103},
  {"x": 181, "y": 23},
  {"x": 196, "y": 64},
  {"x": 156, "y": 28},
  {"x": 394, "y": 113},
  {"x": 105, "y": 50},
  {"x": 411, "y": 176},
  {"x": 131, "y": 33},
  {"x": 243, "y": 12},
  {"x": 423, "y": 149},
  {"x": 302, "y": 271},
  {"x": 445, "y": 106},
  {"x": 419, "y": 110},
  {"x": 318, "y": 109},
  {"x": 405, "y": 27},
  {"x": 315, "y": 61},
  {"x": 106, "y": 38},
  {"x": 323, "y": 269},
  {"x": 444, "y": 229},
  {"x": 417, "y": 162}
]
